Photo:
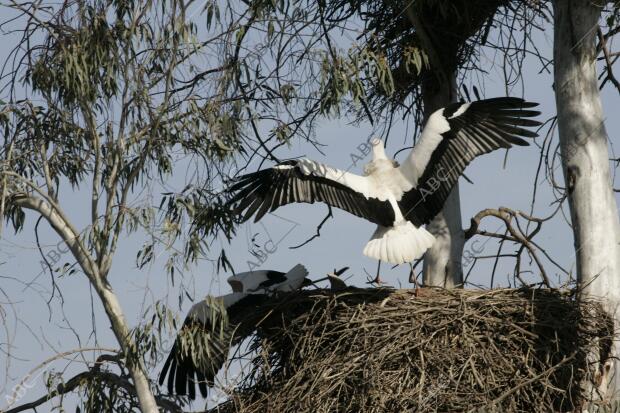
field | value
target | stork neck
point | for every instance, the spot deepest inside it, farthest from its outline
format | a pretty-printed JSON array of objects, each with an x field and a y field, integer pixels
[{"x": 378, "y": 152}]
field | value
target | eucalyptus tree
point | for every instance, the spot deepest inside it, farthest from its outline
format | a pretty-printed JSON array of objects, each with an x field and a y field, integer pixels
[
  {"x": 578, "y": 41},
  {"x": 100, "y": 100}
]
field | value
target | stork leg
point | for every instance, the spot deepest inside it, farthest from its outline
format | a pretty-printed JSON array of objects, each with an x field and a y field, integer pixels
[
  {"x": 414, "y": 280},
  {"x": 377, "y": 280}
]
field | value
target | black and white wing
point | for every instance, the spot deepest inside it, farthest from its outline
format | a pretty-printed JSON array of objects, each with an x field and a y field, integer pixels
[
  {"x": 451, "y": 139},
  {"x": 204, "y": 341},
  {"x": 268, "y": 280},
  {"x": 215, "y": 324},
  {"x": 251, "y": 281},
  {"x": 200, "y": 349},
  {"x": 306, "y": 181}
]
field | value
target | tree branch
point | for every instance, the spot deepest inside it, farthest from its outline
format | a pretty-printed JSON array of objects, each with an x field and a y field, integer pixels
[
  {"x": 318, "y": 229},
  {"x": 63, "y": 228},
  {"x": 608, "y": 62},
  {"x": 516, "y": 235},
  {"x": 78, "y": 380}
]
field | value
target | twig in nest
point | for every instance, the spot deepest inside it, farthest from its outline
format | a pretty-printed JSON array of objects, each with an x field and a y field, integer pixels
[
  {"x": 507, "y": 350},
  {"x": 330, "y": 277}
]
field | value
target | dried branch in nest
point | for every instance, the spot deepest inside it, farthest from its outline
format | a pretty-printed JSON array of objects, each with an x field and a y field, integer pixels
[{"x": 383, "y": 350}]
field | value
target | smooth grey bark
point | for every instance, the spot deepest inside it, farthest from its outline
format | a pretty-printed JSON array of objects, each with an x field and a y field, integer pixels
[
  {"x": 585, "y": 160},
  {"x": 54, "y": 216},
  {"x": 442, "y": 262}
]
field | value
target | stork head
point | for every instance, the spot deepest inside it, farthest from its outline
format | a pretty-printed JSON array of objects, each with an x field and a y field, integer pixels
[{"x": 378, "y": 151}]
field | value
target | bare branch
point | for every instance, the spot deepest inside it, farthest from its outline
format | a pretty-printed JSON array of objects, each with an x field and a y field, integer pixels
[
  {"x": 78, "y": 380},
  {"x": 318, "y": 229},
  {"x": 610, "y": 74},
  {"x": 516, "y": 235}
]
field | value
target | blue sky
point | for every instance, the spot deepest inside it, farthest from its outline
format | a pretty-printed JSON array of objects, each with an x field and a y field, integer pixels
[{"x": 25, "y": 289}]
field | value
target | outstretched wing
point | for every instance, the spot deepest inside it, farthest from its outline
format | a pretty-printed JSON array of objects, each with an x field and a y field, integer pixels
[
  {"x": 200, "y": 349},
  {"x": 451, "y": 139},
  {"x": 210, "y": 329},
  {"x": 306, "y": 181}
]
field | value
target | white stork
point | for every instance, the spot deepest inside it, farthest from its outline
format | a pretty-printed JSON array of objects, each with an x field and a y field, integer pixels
[
  {"x": 214, "y": 324},
  {"x": 398, "y": 198}
]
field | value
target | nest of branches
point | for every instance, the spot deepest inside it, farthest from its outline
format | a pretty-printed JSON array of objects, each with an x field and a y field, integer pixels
[{"x": 384, "y": 350}]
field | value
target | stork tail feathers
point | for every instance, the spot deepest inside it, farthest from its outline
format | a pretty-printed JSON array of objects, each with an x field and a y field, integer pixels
[{"x": 400, "y": 243}]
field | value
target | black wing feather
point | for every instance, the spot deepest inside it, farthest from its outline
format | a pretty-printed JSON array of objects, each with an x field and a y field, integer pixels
[
  {"x": 238, "y": 322},
  {"x": 185, "y": 370},
  {"x": 266, "y": 190},
  {"x": 485, "y": 126}
]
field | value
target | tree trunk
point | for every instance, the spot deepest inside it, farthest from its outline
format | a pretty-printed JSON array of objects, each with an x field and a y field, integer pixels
[
  {"x": 110, "y": 302},
  {"x": 585, "y": 160},
  {"x": 121, "y": 330},
  {"x": 442, "y": 262}
]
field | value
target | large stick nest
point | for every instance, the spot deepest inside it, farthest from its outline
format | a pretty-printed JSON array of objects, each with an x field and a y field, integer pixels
[{"x": 383, "y": 350}]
